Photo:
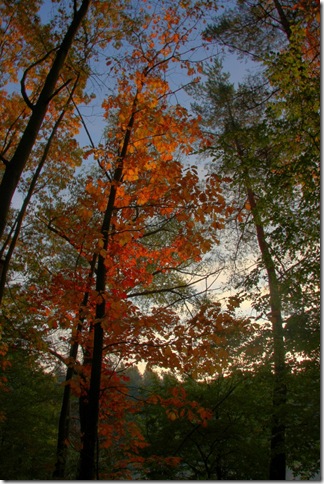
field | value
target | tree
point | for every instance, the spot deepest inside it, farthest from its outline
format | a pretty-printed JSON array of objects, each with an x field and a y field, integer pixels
[
  {"x": 207, "y": 428},
  {"x": 211, "y": 433},
  {"x": 28, "y": 421},
  {"x": 17, "y": 162},
  {"x": 45, "y": 56},
  {"x": 281, "y": 63},
  {"x": 238, "y": 154},
  {"x": 9, "y": 245},
  {"x": 140, "y": 203}
]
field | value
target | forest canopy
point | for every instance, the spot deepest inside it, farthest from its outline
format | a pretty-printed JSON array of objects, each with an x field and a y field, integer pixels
[{"x": 159, "y": 240}]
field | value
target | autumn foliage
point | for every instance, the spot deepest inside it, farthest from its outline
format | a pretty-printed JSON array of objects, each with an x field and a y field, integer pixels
[{"x": 111, "y": 218}]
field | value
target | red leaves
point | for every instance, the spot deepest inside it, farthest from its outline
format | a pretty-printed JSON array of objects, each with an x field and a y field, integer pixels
[{"x": 180, "y": 407}]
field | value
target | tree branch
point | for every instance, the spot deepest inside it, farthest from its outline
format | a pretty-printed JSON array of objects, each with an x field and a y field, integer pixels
[
  {"x": 4, "y": 160},
  {"x": 22, "y": 82},
  {"x": 59, "y": 89}
]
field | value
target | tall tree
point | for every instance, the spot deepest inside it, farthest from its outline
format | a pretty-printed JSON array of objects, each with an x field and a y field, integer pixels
[
  {"x": 240, "y": 157},
  {"x": 53, "y": 61},
  {"x": 155, "y": 174},
  {"x": 17, "y": 162},
  {"x": 281, "y": 36},
  {"x": 251, "y": 150},
  {"x": 136, "y": 221}
]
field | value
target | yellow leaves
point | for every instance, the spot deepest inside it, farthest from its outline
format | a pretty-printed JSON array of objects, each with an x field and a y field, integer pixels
[{"x": 131, "y": 174}]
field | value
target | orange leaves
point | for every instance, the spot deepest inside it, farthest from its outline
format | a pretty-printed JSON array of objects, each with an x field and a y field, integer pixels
[
  {"x": 158, "y": 221},
  {"x": 207, "y": 337},
  {"x": 172, "y": 414},
  {"x": 144, "y": 196},
  {"x": 119, "y": 433},
  {"x": 178, "y": 406},
  {"x": 130, "y": 175},
  {"x": 85, "y": 213},
  {"x": 247, "y": 205},
  {"x": 205, "y": 415}
]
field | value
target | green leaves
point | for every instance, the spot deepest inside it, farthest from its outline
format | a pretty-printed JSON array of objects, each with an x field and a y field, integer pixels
[{"x": 30, "y": 412}]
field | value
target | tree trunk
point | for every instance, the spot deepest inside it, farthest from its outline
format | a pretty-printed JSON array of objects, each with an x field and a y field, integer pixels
[
  {"x": 87, "y": 468},
  {"x": 87, "y": 471},
  {"x": 283, "y": 18},
  {"x": 64, "y": 427},
  {"x": 64, "y": 421},
  {"x": 277, "y": 468},
  {"x": 91, "y": 408},
  {"x": 18, "y": 161},
  {"x": 14, "y": 235}
]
